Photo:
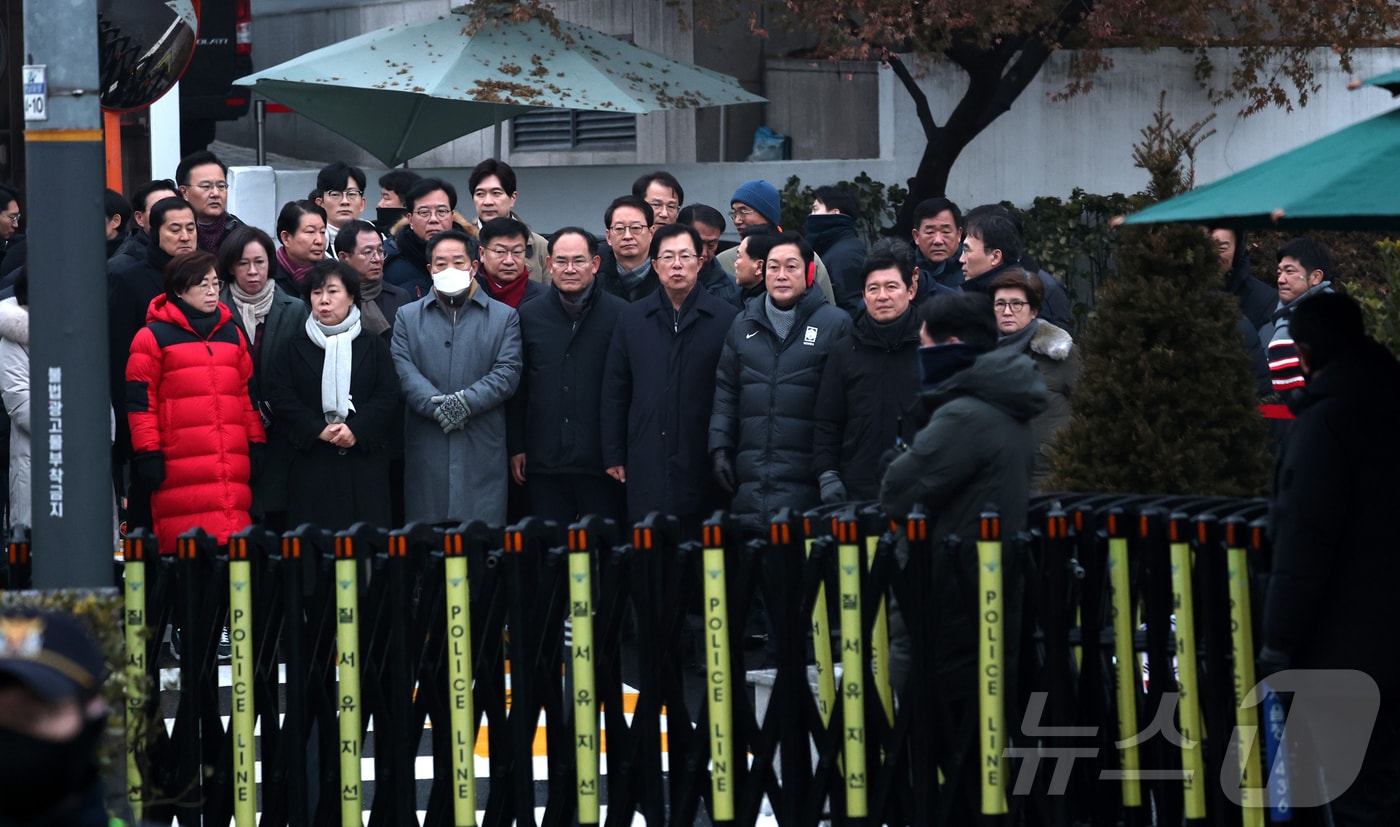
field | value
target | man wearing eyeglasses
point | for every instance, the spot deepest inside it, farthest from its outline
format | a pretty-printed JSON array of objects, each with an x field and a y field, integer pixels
[
  {"x": 203, "y": 181},
  {"x": 764, "y": 424},
  {"x": 658, "y": 387},
  {"x": 342, "y": 189},
  {"x": 757, "y": 202},
  {"x": 431, "y": 204},
  {"x": 503, "y": 271},
  {"x": 553, "y": 426},
  {"x": 626, "y": 268},
  {"x": 663, "y": 193},
  {"x": 359, "y": 245}
]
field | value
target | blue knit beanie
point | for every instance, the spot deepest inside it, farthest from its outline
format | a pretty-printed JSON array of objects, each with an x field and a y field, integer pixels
[{"x": 762, "y": 196}]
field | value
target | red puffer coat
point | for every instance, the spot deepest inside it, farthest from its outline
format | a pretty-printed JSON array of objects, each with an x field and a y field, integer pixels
[{"x": 188, "y": 398}]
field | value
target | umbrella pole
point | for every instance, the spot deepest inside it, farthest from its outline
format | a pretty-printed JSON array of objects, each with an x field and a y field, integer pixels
[
  {"x": 408, "y": 130},
  {"x": 260, "y": 118},
  {"x": 496, "y": 135}
]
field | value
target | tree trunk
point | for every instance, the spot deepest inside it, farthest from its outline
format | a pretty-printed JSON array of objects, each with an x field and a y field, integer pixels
[{"x": 992, "y": 87}]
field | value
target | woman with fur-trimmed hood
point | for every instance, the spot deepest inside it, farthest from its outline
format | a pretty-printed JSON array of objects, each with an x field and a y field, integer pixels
[{"x": 1017, "y": 300}]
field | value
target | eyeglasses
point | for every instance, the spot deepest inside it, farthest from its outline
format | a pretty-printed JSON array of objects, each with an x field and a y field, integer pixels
[
  {"x": 13, "y": 216},
  {"x": 430, "y": 212},
  {"x": 683, "y": 258},
  {"x": 372, "y": 253},
  {"x": 628, "y": 229},
  {"x": 740, "y": 212},
  {"x": 1015, "y": 305},
  {"x": 209, "y": 186},
  {"x": 561, "y": 263},
  {"x": 668, "y": 206},
  {"x": 348, "y": 195},
  {"x": 206, "y": 286},
  {"x": 502, "y": 252}
]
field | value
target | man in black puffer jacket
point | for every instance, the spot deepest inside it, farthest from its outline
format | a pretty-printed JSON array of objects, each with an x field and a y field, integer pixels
[
  {"x": 764, "y": 422},
  {"x": 870, "y": 383}
]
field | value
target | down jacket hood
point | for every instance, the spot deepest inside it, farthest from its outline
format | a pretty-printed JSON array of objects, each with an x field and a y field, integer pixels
[
  {"x": 14, "y": 322},
  {"x": 1003, "y": 379},
  {"x": 1051, "y": 341}
]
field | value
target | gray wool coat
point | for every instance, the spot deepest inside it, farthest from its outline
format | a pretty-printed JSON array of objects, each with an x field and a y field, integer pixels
[{"x": 437, "y": 350}]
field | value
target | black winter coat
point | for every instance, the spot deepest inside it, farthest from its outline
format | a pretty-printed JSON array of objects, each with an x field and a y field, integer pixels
[
  {"x": 391, "y": 297},
  {"x": 133, "y": 288},
  {"x": 1330, "y": 603},
  {"x": 975, "y": 453},
  {"x": 1257, "y": 301},
  {"x": 407, "y": 266},
  {"x": 765, "y": 404},
  {"x": 131, "y": 250},
  {"x": 658, "y": 390},
  {"x": 329, "y": 486},
  {"x": 870, "y": 382},
  {"x": 554, "y": 416},
  {"x": 720, "y": 284},
  {"x": 833, "y": 237},
  {"x": 611, "y": 282}
]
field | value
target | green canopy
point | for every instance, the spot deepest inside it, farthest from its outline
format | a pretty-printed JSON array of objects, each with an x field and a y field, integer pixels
[
  {"x": 403, "y": 90},
  {"x": 1349, "y": 180}
]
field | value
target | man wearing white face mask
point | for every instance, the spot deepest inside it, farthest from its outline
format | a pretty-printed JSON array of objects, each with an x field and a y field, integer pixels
[{"x": 458, "y": 356}]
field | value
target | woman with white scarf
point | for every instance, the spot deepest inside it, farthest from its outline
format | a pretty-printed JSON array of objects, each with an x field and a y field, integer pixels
[
  {"x": 269, "y": 317},
  {"x": 334, "y": 388}
]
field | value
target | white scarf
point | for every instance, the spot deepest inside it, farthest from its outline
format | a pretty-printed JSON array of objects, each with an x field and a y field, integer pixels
[
  {"x": 335, "y": 372},
  {"x": 252, "y": 307}
]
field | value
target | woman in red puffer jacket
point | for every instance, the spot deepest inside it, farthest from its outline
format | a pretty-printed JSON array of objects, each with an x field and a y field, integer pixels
[{"x": 194, "y": 431}]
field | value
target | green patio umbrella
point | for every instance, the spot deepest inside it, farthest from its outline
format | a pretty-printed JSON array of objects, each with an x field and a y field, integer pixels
[
  {"x": 405, "y": 89},
  {"x": 1390, "y": 82},
  {"x": 1349, "y": 180}
]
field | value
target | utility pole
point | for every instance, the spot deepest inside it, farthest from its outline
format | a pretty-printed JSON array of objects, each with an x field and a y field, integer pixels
[{"x": 70, "y": 407}]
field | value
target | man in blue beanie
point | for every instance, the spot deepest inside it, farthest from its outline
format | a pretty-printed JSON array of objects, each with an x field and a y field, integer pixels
[{"x": 757, "y": 202}]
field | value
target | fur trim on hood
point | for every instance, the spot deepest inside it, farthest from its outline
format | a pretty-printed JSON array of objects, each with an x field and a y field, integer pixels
[
  {"x": 14, "y": 322},
  {"x": 1051, "y": 341}
]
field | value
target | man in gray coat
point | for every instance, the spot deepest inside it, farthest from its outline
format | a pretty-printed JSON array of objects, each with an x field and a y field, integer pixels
[{"x": 458, "y": 356}]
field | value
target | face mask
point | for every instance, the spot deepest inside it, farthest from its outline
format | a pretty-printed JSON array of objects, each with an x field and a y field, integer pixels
[
  {"x": 452, "y": 282},
  {"x": 36, "y": 775}
]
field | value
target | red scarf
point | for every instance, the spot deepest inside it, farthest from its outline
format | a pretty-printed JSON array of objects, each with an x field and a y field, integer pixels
[
  {"x": 296, "y": 271},
  {"x": 509, "y": 294}
]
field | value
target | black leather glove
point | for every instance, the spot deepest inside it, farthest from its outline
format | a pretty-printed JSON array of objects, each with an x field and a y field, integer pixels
[
  {"x": 257, "y": 456},
  {"x": 833, "y": 489},
  {"x": 148, "y": 469},
  {"x": 724, "y": 470}
]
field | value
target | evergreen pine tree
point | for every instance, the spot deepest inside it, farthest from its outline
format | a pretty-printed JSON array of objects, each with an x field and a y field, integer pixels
[{"x": 1166, "y": 400}]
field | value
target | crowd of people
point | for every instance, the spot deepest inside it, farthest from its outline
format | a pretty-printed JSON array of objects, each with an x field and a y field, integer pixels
[{"x": 429, "y": 366}]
